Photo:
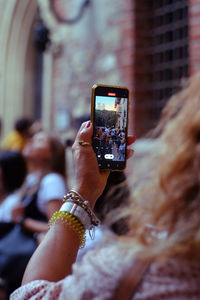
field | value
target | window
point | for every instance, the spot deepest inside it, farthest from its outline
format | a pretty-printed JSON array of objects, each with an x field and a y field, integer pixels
[
  {"x": 169, "y": 48},
  {"x": 161, "y": 39}
]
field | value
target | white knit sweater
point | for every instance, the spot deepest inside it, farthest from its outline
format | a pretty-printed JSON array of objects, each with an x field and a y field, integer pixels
[{"x": 100, "y": 271}]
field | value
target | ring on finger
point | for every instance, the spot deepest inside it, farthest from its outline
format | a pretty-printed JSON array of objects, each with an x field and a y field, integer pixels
[{"x": 84, "y": 143}]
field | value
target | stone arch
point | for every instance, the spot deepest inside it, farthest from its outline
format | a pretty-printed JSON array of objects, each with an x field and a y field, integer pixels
[{"x": 17, "y": 18}]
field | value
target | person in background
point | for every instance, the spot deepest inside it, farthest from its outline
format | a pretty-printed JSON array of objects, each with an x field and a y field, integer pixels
[
  {"x": 39, "y": 197},
  {"x": 45, "y": 182},
  {"x": 13, "y": 171},
  {"x": 163, "y": 229},
  {"x": 16, "y": 139}
]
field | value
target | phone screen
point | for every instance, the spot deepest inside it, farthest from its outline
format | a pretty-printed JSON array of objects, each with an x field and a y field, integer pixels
[{"x": 110, "y": 122}]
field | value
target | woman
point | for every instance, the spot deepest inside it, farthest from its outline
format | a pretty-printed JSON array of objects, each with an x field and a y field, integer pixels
[
  {"x": 40, "y": 196},
  {"x": 45, "y": 157},
  {"x": 164, "y": 226},
  {"x": 12, "y": 175}
]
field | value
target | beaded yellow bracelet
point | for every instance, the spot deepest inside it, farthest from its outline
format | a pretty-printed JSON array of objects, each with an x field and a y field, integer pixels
[{"x": 68, "y": 219}]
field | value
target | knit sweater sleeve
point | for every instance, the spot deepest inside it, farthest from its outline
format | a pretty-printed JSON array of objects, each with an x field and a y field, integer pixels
[
  {"x": 100, "y": 272},
  {"x": 94, "y": 278}
]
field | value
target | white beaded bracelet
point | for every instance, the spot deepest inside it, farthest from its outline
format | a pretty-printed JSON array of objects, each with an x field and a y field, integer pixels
[
  {"x": 78, "y": 212},
  {"x": 76, "y": 205},
  {"x": 76, "y": 198}
]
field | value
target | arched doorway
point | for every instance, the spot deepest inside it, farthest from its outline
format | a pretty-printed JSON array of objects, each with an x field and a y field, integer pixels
[{"x": 16, "y": 60}]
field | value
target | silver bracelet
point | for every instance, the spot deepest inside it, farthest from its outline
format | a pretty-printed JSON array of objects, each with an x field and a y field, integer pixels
[{"x": 76, "y": 193}]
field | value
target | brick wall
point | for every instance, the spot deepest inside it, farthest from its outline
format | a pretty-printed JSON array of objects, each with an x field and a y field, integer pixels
[
  {"x": 142, "y": 67},
  {"x": 98, "y": 49},
  {"x": 110, "y": 45},
  {"x": 194, "y": 35}
]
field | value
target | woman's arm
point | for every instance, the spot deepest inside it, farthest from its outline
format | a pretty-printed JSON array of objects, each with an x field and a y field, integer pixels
[
  {"x": 35, "y": 225},
  {"x": 54, "y": 257}
]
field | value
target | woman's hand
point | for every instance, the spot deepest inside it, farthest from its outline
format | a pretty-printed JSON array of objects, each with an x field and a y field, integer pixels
[{"x": 89, "y": 180}]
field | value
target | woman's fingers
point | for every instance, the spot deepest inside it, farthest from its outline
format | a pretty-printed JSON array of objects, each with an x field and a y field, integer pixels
[
  {"x": 130, "y": 153},
  {"x": 131, "y": 139},
  {"x": 85, "y": 132}
]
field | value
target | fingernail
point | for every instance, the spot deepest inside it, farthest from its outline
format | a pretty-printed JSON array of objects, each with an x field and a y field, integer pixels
[
  {"x": 83, "y": 125},
  {"x": 88, "y": 124}
]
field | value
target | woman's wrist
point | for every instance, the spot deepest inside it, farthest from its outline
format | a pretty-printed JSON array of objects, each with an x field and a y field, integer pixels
[
  {"x": 76, "y": 213},
  {"x": 69, "y": 220},
  {"x": 90, "y": 196},
  {"x": 81, "y": 208}
]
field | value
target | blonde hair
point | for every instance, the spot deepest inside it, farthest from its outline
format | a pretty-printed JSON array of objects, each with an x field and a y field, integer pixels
[{"x": 171, "y": 202}]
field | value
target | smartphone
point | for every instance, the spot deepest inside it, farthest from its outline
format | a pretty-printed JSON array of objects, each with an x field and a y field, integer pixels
[{"x": 109, "y": 115}]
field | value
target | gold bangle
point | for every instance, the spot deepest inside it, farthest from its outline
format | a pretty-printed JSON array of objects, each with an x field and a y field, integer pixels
[{"x": 68, "y": 219}]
